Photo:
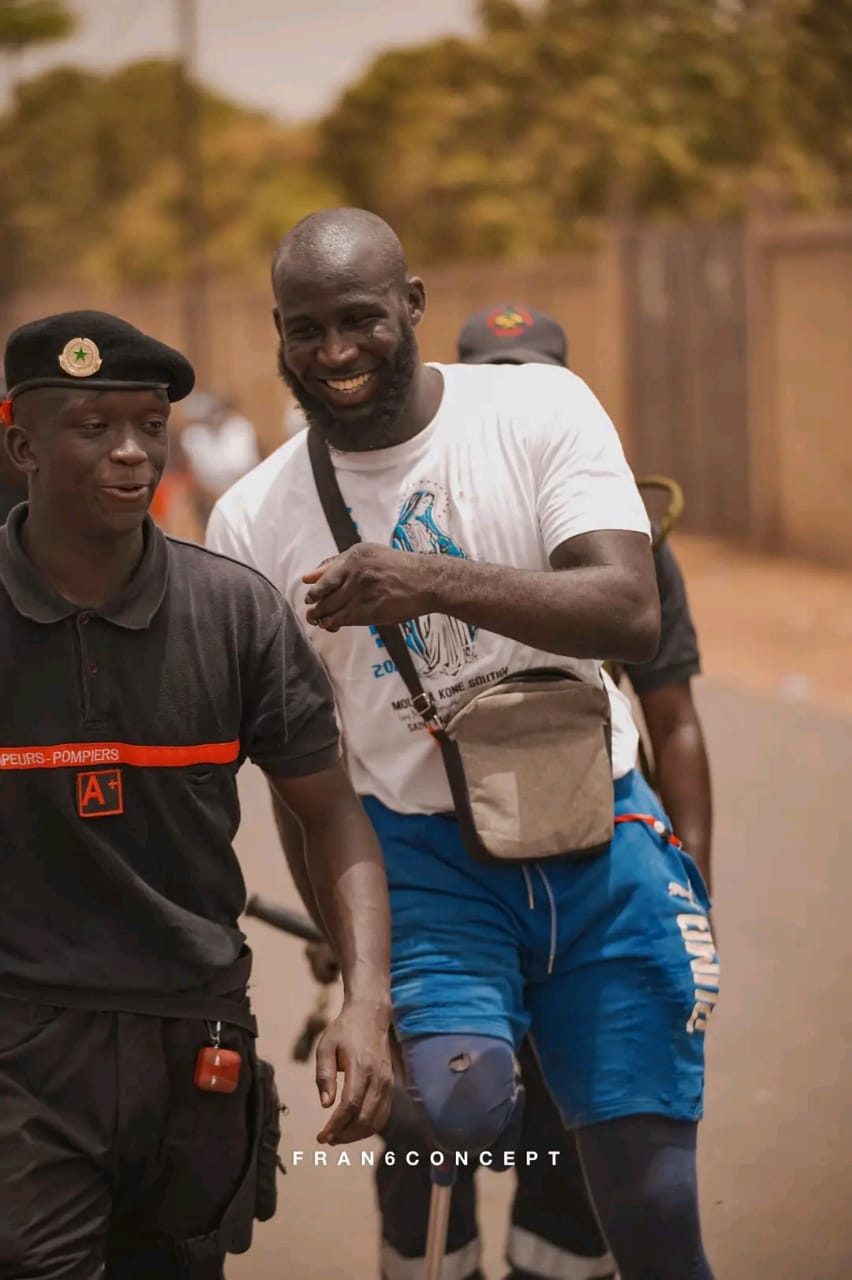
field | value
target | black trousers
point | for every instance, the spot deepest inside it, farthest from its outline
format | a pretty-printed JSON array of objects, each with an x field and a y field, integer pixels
[
  {"x": 108, "y": 1151},
  {"x": 552, "y": 1214}
]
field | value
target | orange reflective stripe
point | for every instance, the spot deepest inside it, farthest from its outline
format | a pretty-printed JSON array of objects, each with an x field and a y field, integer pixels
[
  {"x": 657, "y": 823},
  {"x": 65, "y": 755}
]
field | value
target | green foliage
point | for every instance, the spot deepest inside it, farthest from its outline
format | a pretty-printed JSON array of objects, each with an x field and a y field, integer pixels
[
  {"x": 566, "y": 111},
  {"x": 817, "y": 76},
  {"x": 28, "y": 22},
  {"x": 93, "y": 186},
  {"x": 514, "y": 143}
]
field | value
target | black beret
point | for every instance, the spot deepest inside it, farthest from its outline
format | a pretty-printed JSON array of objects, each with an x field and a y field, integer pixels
[{"x": 93, "y": 351}]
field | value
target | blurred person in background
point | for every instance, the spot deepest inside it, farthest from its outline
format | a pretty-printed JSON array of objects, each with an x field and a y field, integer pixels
[
  {"x": 220, "y": 445},
  {"x": 511, "y": 334},
  {"x": 175, "y": 505}
]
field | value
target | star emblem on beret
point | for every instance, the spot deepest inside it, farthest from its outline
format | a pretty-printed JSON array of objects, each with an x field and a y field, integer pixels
[{"x": 80, "y": 358}]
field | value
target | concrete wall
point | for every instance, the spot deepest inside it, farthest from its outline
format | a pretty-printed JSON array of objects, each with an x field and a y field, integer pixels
[
  {"x": 800, "y": 326},
  {"x": 779, "y": 431},
  {"x": 585, "y": 292}
]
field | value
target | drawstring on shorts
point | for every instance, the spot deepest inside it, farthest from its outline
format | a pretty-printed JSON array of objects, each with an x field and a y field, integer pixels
[
  {"x": 657, "y": 825},
  {"x": 551, "y": 959}
]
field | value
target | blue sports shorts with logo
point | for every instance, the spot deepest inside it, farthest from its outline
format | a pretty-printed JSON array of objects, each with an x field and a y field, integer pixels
[{"x": 607, "y": 962}]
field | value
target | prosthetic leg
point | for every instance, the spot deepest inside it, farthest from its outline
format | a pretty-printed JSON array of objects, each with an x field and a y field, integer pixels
[
  {"x": 472, "y": 1085},
  {"x": 469, "y": 1089}
]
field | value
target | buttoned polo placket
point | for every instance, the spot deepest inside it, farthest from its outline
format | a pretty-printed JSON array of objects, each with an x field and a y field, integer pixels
[{"x": 92, "y": 644}]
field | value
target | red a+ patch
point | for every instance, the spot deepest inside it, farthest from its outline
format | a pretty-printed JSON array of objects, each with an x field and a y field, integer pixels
[{"x": 99, "y": 793}]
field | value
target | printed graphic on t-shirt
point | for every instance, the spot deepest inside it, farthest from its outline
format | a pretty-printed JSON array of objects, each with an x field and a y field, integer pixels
[
  {"x": 515, "y": 462},
  {"x": 441, "y": 646}
]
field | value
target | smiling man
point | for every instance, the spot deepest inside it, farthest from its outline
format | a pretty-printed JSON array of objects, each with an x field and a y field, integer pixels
[
  {"x": 138, "y": 1128},
  {"x": 362, "y": 404},
  {"x": 503, "y": 533}
]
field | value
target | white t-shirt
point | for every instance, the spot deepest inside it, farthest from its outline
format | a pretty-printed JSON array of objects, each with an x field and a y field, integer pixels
[{"x": 517, "y": 460}]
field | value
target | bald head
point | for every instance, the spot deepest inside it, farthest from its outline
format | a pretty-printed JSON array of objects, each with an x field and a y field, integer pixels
[
  {"x": 345, "y": 310},
  {"x": 348, "y": 244}
]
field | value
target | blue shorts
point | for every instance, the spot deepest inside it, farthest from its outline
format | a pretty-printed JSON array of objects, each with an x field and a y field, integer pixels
[{"x": 607, "y": 963}]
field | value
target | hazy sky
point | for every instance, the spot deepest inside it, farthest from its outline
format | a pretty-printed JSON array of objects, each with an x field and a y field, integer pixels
[{"x": 290, "y": 57}]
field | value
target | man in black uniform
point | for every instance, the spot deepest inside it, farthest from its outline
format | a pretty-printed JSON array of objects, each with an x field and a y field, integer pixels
[
  {"x": 138, "y": 1128},
  {"x": 554, "y": 1233}
]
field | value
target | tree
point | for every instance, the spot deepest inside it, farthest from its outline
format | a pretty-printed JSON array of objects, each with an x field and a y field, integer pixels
[
  {"x": 27, "y": 22},
  {"x": 92, "y": 178},
  {"x": 515, "y": 143},
  {"x": 24, "y": 23},
  {"x": 558, "y": 113},
  {"x": 817, "y": 103}
]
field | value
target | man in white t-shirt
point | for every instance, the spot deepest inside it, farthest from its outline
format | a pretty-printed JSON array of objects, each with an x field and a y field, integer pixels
[{"x": 502, "y": 529}]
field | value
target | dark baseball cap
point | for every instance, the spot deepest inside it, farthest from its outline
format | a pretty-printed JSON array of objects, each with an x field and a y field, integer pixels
[{"x": 512, "y": 334}]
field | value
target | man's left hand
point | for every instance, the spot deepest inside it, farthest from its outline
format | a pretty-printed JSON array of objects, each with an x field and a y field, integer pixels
[
  {"x": 357, "y": 1044},
  {"x": 369, "y": 585}
]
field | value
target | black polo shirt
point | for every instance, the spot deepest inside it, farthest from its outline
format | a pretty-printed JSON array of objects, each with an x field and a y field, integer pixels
[
  {"x": 10, "y": 495},
  {"x": 677, "y": 658},
  {"x": 123, "y": 729}
]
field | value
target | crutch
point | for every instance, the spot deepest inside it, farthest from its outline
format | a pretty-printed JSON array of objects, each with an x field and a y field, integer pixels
[
  {"x": 301, "y": 926},
  {"x": 673, "y": 511},
  {"x": 443, "y": 1181}
]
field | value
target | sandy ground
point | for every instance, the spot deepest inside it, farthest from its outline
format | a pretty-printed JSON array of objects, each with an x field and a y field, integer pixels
[
  {"x": 776, "y": 1151},
  {"x": 776, "y": 626}
]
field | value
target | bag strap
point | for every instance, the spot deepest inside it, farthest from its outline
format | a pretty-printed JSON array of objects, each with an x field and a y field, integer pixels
[{"x": 346, "y": 535}]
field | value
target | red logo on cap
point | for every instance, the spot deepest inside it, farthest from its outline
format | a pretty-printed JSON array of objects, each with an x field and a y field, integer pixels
[{"x": 509, "y": 322}]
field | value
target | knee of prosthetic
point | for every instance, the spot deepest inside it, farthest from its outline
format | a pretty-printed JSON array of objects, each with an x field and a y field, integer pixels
[{"x": 468, "y": 1089}]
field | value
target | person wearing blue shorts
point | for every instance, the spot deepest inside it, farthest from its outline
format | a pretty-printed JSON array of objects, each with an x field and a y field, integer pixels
[
  {"x": 503, "y": 530},
  {"x": 554, "y": 1232}
]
